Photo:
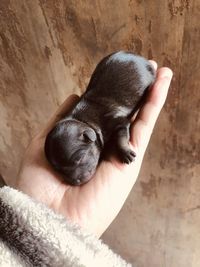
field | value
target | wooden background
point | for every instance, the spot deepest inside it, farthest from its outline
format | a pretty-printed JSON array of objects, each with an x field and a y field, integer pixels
[{"x": 48, "y": 49}]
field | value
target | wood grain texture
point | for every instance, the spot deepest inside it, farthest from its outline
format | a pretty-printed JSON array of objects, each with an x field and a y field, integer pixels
[{"x": 48, "y": 50}]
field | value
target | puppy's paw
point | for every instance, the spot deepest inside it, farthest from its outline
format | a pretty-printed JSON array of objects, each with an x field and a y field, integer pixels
[{"x": 127, "y": 156}]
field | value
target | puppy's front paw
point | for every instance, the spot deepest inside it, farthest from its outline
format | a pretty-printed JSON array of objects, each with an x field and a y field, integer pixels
[{"x": 127, "y": 156}]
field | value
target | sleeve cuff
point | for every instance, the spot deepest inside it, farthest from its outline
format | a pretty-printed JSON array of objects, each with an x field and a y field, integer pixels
[{"x": 40, "y": 237}]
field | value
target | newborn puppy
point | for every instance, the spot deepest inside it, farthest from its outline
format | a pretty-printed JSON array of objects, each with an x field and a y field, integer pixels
[{"x": 75, "y": 145}]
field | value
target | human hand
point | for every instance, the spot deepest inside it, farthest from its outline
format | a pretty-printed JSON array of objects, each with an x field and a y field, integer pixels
[{"x": 95, "y": 204}]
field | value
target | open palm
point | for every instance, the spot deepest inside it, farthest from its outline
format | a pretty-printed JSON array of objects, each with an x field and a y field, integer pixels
[{"x": 95, "y": 204}]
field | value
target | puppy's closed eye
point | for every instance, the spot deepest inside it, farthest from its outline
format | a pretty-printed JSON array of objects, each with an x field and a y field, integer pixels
[{"x": 89, "y": 136}]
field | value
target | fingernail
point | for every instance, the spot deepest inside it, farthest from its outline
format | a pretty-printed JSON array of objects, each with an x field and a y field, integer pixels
[
  {"x": 167, "y": 72},
  {"x": 154, "y": 64}
]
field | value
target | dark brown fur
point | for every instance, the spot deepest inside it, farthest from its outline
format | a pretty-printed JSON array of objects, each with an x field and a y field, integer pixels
[{"x": 102, "y": 116}]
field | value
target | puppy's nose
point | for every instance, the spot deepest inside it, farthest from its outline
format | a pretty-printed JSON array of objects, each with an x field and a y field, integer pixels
[{"x": 90, "y": 135}]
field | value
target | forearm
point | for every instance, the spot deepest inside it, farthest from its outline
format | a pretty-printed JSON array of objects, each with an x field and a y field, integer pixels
[{"x": 35, "y": 235}]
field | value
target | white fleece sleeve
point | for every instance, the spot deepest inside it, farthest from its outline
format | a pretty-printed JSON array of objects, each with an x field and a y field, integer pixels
[{"x": 36, "y": 236}]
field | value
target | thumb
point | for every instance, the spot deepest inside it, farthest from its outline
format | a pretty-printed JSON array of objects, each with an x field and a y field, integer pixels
[{"x": 145, "y": 121}]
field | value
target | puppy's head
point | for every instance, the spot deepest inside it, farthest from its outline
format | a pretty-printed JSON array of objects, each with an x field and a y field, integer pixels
[{"x": 73, "y": 148}]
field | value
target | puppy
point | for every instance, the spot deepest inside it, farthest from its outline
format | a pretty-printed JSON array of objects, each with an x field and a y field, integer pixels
[{"x": 116, "y": 89}]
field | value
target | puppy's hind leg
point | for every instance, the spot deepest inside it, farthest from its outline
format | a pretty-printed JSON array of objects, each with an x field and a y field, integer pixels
[{"x": 122, "y": 137}]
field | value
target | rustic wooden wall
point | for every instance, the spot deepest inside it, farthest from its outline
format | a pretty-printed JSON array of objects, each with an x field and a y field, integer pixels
[{"x": 48, "y": 50}]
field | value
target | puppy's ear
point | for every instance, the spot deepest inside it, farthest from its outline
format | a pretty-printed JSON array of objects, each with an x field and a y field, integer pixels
[{"x": 89, "y": 135}]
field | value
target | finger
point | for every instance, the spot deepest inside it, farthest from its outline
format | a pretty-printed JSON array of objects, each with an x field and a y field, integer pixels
[
  {"x": 62, "y": 111},
  {"x": 154, "y": 64},
  {"x": 147, "y": 116}
]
